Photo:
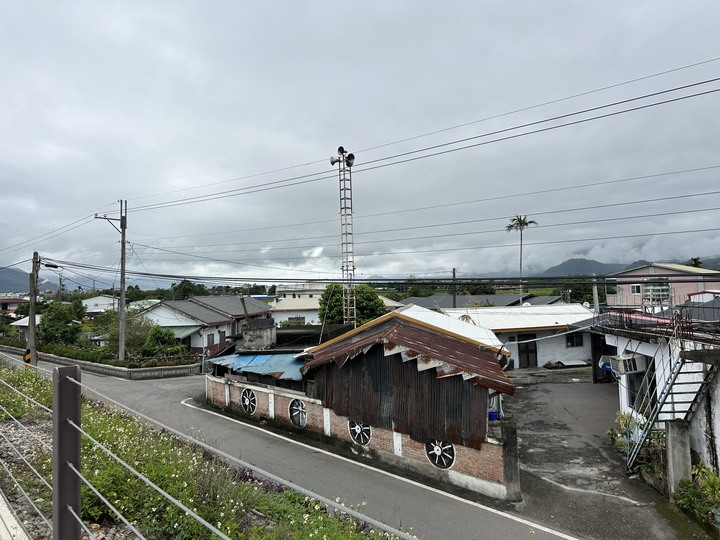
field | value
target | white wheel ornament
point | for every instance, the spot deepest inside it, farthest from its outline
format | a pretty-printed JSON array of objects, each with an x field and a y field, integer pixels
[
  {"x": 248, "y": 401},
  {"x": 360, "y": 433},
  {"x": 298, "y": 413},
  {"x": 440, "y": 453}
]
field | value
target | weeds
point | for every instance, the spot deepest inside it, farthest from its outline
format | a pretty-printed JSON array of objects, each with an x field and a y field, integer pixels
[{"x": 234, "y": 500}]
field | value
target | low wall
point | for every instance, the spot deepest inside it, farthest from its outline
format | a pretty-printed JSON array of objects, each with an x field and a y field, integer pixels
[
  {"x": 488, "y": 470},
  {"x": 115, "y": 371}
]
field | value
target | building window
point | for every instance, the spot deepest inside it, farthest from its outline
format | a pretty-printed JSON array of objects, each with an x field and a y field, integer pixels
[
  {"x": 574, "y": 340},
  {"x": 635, "y": 289},
  {"x": 296, "y": 320},
  {"x": 210, "y": 340},
  {"x": 221, "y": 336}
]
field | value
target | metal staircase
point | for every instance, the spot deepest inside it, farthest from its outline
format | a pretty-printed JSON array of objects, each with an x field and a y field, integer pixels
[{"x": 685, "y": 381}]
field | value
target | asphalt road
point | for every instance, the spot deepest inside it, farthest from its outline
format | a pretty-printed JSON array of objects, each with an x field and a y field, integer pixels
[{"x": 402, "y": 503}]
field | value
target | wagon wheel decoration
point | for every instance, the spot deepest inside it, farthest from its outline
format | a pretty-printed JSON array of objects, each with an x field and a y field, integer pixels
[
  {"x": 248, "y": 401},
  {"x": 360, "y": 433},
  {"x": 440, "y": 453},
  {"x": 298, "y": 413}
]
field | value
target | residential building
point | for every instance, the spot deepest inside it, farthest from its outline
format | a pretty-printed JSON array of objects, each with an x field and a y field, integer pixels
[
  {"x": 666, "y": 365},
  {"x": 205, "y": 323},
  {"x": 656, "y": 286},
  {"x": 447, "y": 301},
  {"x": 413, "y": 388},
  {"x": 536, "y": 335},
  {"x": 99, "y": 304},
  {"x": 8, "y": 305},
  {"x": 296, "y": 311}
]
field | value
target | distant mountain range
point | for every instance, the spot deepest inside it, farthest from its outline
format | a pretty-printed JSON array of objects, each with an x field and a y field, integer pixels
[
  {"x": 14, "y": 280},
  {"x": 587, "y": 267}
]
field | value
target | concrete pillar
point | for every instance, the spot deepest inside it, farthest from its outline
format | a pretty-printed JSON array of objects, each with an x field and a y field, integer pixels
[
  {"x": 511, "y": 462},
  {"x": 679, "y": 463}
]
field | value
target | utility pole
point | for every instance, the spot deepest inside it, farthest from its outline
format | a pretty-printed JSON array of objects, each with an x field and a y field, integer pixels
[
  {"x": 454, "y": 290},
  {"x": 31, "y": 338},
  {"x": 121, "y": 307}
]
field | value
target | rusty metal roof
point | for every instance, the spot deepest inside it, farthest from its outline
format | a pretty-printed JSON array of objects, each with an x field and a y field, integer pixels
[{"x": 429, "y": 346}]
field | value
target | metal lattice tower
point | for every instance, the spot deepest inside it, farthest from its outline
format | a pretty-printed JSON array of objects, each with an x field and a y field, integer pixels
[{"x": 345, "y": 162}]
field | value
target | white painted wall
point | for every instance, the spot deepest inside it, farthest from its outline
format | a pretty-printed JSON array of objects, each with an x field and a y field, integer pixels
[
  {"x": 311, "y": 316},
  {"x": 550, "y": 349}
]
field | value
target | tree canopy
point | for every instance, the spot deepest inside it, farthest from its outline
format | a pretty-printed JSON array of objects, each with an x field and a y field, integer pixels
[{"x": 368, "y": 305}]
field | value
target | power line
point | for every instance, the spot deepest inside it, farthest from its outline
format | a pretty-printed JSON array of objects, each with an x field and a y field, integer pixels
[
  {"x": 465, "y": 124},
  {"x": 308, "y": 178}
]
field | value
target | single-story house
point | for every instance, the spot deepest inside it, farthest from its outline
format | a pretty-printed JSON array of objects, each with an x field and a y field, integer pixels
[
  {"x": 99, "y": 304},
  {"x": 23, "y": 324},
  {"x": 205, "y": 323},
  {"x": 536, "y": 335},
  {"x": 412, "y": 388}
]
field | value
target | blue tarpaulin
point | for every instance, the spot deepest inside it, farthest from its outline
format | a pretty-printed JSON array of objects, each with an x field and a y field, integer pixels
[{"x": 281, "y": 366}]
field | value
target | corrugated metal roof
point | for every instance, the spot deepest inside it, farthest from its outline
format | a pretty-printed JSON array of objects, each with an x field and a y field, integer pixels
[
  {"x": 196, "y": 311},
  {"x": 523, "y": 317},
  {"x": 184, "y": 331},
  {"x": 483, "y": 336},
  {"x": 685, "y": 269},
  {"x": 283, "y": 366},
  {"x": 450, "y": 354},
  {"x": 232, "y": 305},
  {"x": 443, "y": 301}
]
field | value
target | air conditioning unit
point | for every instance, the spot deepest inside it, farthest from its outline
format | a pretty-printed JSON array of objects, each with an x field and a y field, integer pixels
[{"x": 624, "y": 364}]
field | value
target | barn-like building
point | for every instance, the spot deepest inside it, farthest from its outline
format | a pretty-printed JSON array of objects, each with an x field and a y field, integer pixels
[{"x": 413, "y": 389}]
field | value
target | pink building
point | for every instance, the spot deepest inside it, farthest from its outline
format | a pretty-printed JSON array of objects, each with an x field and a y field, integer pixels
[{"x": 656, "y": 286}]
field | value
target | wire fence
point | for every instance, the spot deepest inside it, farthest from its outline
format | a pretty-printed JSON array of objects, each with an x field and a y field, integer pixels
[{"x": 63, "y": 519}]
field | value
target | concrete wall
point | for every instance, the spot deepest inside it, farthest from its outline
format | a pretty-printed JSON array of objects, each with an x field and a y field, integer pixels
[
  {"x": 551, "y": 349},
  {"x": 124, "y": 373},
  {"x": 483, "y": 470}
]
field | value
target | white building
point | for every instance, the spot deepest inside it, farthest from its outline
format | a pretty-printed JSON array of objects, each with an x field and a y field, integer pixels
[{"x": 535, "y": 335}]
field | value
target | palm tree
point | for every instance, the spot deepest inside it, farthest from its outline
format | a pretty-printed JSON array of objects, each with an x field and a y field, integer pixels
[{"x": 520, "y": 223}]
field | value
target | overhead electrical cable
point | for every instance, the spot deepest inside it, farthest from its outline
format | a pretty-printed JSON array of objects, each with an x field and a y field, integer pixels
[
  {"x": 265, "y": 242},
  {"x": 465, "y": 124},
  {"x": 305, "y": 179}
]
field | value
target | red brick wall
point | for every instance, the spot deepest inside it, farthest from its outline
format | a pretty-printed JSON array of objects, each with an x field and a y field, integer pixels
[{"x": 484, "y": 464}]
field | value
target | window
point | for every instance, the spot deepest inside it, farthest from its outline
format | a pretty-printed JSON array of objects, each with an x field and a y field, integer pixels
[
  {"x": 574, "y": 340},
  {"x": 296, "y": 320},
  {"x": 635, "y": 289},
  {"x": 221, "y": 336},
  {"x": 210, "y": 340}
]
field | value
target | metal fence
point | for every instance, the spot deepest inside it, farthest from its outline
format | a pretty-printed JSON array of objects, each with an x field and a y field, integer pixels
[{"x": 67, "y": 476}]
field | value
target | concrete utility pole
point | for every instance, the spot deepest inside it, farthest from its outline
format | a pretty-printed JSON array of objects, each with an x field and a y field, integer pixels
[
  {"x": 31, "y": 338},
  {"x": 121, "y": 307}
]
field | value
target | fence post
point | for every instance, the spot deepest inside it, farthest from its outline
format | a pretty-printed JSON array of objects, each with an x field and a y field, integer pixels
[{"x": 66, "y": 449}]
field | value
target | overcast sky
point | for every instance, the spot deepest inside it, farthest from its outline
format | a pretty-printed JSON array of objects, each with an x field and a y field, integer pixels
[{"x": 216, "y": 122}]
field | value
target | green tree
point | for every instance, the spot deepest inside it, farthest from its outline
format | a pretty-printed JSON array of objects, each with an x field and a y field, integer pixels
[
  {"x": 477, "y": 287},
  {"x": 60, "y": 325},
  {"x": 368, "y": 305},
  {"x": 520, "y": 223},
  {"x": 158, "y": 342},
  {"x": 185, "y": 289},
  {"x": 137, "y": 329},
  {"x": 695, "y": 262}
]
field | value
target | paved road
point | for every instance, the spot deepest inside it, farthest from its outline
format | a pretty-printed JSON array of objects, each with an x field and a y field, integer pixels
[
  {"x": 571, "y": 473},
  {"x": 399, "y": 502}
]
